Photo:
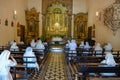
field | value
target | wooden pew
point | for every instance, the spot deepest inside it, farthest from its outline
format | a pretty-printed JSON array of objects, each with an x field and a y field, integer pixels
[
  {"x": 86, "y": 61},
  {"x": 85, "y": 70},
  {"x": 20, "y": 69},
  {"x": 91, "y": 59}
]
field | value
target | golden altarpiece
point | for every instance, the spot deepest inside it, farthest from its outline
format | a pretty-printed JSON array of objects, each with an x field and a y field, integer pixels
[
  {"x": 32, "y": 20},
  {"x": 56, "y": 19},
  {"x": 80, "y": 25}
]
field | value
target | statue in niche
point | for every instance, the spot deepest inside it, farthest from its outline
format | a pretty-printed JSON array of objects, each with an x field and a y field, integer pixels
[
  {"x": 31, "y": 25},
  {"x": 80, "y": 25}
]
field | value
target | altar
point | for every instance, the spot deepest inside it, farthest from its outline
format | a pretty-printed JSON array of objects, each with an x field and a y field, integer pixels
[{"x": 57, "y": 44}]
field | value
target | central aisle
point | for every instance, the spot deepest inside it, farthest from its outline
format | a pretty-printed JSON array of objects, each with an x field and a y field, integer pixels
[{"x": 55, "y": 68}]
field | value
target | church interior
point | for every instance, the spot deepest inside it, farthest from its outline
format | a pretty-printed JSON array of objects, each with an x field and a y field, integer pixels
[{"x": 65, "y": 39}]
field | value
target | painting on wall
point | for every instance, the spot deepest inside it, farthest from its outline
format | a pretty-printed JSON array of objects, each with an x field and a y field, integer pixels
[
  {"x": 6, "y": 22},
  {"x": 18, "y": 29},
  {"x": 80, "y": 25},
  {"x": 12, "y": 23},
  {"x": 93, "y": 31}
]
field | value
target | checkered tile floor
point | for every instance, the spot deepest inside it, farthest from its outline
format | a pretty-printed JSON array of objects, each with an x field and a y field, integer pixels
[{"x": 54, "y": 68}]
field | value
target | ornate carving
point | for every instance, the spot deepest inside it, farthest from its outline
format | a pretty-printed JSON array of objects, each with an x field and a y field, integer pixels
[
  {"x": 32, "y": 20},
  {"x": 112, "y": 16},
  {"x": 80, "y": 25},
  {"x": 56, "y": 20}
]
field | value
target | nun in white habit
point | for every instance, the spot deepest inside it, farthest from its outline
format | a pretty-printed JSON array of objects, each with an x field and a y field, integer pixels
[
  {"x": 67, "y": 44},
  {"x": 81, "y": 44},
  {"x": 14, "y": 47},
  {"x": 40, "y": 45},
  {"x": 86, "y": 49},
  {"x": 29, "y": 53},
  {"x": 72, "y": 49},
  {"x": 108, "y": 47},
  {"x": 33, "y": 43},
  {"x": 5, "y": 64},
  {"x": 98, "y": 49},
  {"x": 108, "y": 62},
  {"x": 72, "y": 46}
]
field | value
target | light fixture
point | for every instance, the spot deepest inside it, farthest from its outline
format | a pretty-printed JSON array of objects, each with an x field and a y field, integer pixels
[
  {"x": 14, "y": 14},
  {"x": 98, "y": 16}
]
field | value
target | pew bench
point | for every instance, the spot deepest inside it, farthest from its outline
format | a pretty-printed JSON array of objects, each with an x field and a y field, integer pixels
[
  {"x": 21, "y": 71},
  {"x": 85, "y": 70},
  {"x": 84, "y": 61}
]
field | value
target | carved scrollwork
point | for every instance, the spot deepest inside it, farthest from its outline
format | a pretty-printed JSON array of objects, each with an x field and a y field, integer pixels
[{"x": 112, "y": 17}]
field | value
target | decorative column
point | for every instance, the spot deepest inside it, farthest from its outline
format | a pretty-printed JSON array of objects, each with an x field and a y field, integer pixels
[{"x": 72, "y": 26}]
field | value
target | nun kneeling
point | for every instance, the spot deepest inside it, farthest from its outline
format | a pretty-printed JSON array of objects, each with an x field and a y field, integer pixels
[{"x": 108, "y": 62}]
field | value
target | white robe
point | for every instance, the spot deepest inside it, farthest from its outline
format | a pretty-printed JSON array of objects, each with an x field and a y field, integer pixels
[
  {"x": 33, "y": 44},
  {"x": 110, "y": 62},
  {"x": 14, "y": 47},
  {"x": 30, "y": 53},
  {"x": 5, "y": 65},
  {"x": 98, "y": 49}
]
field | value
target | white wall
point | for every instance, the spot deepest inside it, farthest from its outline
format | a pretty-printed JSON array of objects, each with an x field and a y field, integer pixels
[
  {"x": 79, "y": 6},
  {"x": 103, "y": 33},
  {"x": 8, "y": 33}
]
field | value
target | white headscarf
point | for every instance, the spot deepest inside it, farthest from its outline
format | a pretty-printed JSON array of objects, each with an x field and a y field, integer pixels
[
  {"x": 87, "y": 46},
  {"x": 81, "y": 45},
  {"x": 109, "y": 59},
  {"x": 67, "y": 45},
  {"x": 29, "y": 52},
  {"x": 98, "y": 47},
  {"x": 108, "y": 47},
  {"x": 4, "y": 57},
  {"x": 33, "y": 44},
  {"x": 40, "y": 45},
  {"x": 14, "y": 47}
]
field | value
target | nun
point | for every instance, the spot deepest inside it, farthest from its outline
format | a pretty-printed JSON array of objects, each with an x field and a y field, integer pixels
[
  {"x": 6, "y": 61},
  {"x": 67, "y": 44},
  {"x": 98, "y": 50},
  {"x": 33, "y": 43},
  {"x": 40, "y": 45},
  {"x": 29, "y": 53},
  {"x": 86, "y": 49},
  {"x": 72, "y": 49},
  {"x": 108, "y": 62},
  {"x": 40, "y": 48},
  {"x": 14, "y": 47},
  {"x": 108, "y": 47},
  {"x": 81, "y": 44}
]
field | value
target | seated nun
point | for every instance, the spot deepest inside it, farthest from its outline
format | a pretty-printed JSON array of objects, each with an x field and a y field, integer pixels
[
  {"x": 108, "y": 62},
  {"x": 81, "y": 44},
  {"x": 21, "y": 43},
  {"x": 33, "y": 43},
  {"x": 29, "y": 53},
  {"x": 86, "y": 49},
  {"x": 108, "y": 47},
  {"x": 72, "y": 48},
  {"x": 98, "y": 50},
  {"x": 67, "y": 44},
  {"x": 6, "y": 61},
  {"x": 40, "y": 47},
  {"x": 14, "y": 47}
]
